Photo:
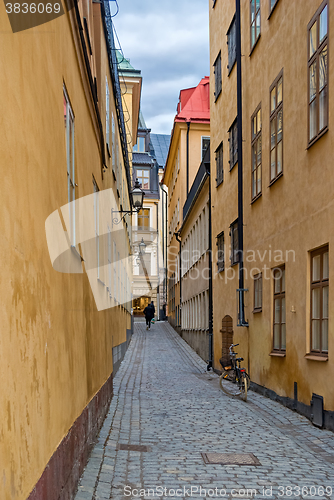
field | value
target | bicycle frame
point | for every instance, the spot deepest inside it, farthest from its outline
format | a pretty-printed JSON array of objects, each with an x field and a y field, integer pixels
[{"x": 235, "y": 374}]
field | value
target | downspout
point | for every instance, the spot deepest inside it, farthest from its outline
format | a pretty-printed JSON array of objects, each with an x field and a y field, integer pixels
[
  {"x": 177, "y": 236},
  {"x": 162, "y": 228},
  {"x": 188, "y": 128},
  {"x": 210, "y": 360},
  {"x": 166, "y": 233},
  {"x": 241, "y": 291},
  {"x": 158, "y": 273}
]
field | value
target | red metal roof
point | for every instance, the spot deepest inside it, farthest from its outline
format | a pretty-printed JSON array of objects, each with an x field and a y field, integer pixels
[{"x": 194, "y": 103}]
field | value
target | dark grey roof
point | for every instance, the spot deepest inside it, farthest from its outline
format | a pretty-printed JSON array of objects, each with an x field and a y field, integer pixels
[
  {"x": 142, "y": 159},
  {"x": 159, "y": 147}
]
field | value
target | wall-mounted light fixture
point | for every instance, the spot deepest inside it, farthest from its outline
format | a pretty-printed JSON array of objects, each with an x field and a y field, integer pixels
[{"x": 137, "y": 202}]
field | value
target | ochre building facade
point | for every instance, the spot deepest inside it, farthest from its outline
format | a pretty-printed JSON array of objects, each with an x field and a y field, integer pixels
[
  {"x": 287, "y": 127},
  {"x": 65, "y": 306}
]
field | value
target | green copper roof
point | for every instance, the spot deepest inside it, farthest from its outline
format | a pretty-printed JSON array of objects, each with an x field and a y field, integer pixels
[{"x": 124, "y": 66}]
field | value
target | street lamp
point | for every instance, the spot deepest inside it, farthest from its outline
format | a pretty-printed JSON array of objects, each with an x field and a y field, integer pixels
[
  {"x": 137, "y": 196},
  {"x": 137, "y": 202}
]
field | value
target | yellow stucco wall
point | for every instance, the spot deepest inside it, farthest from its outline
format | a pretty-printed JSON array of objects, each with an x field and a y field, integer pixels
[
  {"x": 294, "y": 214},
  {"x": 55, "y": 347}
]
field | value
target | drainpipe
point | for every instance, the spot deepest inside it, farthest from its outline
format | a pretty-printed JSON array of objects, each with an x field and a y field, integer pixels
[
  {"x": 177, "y": 236},
  {"x": 188, "y": 128},
  {"x": 210, "y": 360},
  {"x": 241, "y": 290},
  {"x": 158, "y": 274},
  {"x": 162, "y": 228},
  {"x": 166, "y": 233}
]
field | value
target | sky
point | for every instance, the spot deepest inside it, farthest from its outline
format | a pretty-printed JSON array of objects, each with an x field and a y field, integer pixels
[{"x": 168, "y": 40}]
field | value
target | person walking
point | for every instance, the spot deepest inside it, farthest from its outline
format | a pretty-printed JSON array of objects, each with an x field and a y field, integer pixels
[{"x": 149, "y": 314}]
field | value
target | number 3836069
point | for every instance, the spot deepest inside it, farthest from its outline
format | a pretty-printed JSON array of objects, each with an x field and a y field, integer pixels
[{"x": 33, "y": 8}]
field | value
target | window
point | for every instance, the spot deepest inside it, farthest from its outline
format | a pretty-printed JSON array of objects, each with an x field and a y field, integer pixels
[
  {"x": 234, "y": 243},
  {"x": 140, "y": 146},
  {"x": 115, "y": 271},
  {"x": 276, "y": 128},
  {"x": 144, "y": 218},
  {"x": 232, "y": 45},
  {"x": 233, "y": 141},
  {"x": 220, "y": 252},
  {"x": 279, "y": 334},
  {"x": 143, "y": 177},
  {"x": 272, "y": 5},
  {"x": 107, "y": 113},
  {"x": 319, "y": 300},
  {"x": 256, "y": 153},
  {"x": 113, "y": 146},
  {"x": 218, "y": 75},
  {"x": 219, "y": 164},
  {"x": 109, "y": 261},
  {"x": 258, "y": 293},
  {"x": 69, "y": 141},
  {"x": 96, "y": 225},
  {"x": 205, "y": 145},
  {"x": 318, "y": 71},
  {"x": 255, "y": 22}
]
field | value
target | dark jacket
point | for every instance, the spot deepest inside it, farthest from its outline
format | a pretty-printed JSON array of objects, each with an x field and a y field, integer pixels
[{"x": 149, "y": 311}]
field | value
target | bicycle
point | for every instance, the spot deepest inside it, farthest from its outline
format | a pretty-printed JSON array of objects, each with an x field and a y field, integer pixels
[{"x": 234, "y": 380}]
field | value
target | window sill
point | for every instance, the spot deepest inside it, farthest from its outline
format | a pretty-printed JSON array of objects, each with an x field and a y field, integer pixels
[
  {"x": 100, "y": 281},
  {"x": 231, "y": 168},
  {"x": 277, "y": 354},
  {"x": 229, "y": 71},
  {"x": 220, "y": 270},
  {"x": 276, "y": 179},
  {"x": 315, "y": 139},
  {"x": 256, "y": 198},
  {"x": 234, "y": 263},
  {"x": 219, "y": 183},
  {"x": 259, "y": 310},
  {"x": 316, "y": 357},
  {"x": 216, "y": 97},
  {"x": 255, "y": 44}
]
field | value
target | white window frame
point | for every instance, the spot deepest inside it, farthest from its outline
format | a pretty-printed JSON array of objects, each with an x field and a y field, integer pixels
[
  {"x": 97, "y": 225},
  {"x": 107, "y": 113},
  {"x": 203, "y": 138},
  {"x": 70, "y": 160}
]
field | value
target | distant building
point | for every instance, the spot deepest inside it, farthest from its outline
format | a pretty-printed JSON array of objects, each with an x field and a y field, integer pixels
[
  {"x": 189, "y": 142},
  {"x": 148, "y": 271},
  {"x": 196, "y": 264}
]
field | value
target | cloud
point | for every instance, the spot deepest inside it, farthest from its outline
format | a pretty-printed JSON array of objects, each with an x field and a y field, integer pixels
[{"x": 169, "y": 43}]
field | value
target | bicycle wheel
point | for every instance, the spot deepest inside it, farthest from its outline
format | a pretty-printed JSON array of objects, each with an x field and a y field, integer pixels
[
  {"x": 228, "y": 383},
  {"x": 244, "y": 386}
]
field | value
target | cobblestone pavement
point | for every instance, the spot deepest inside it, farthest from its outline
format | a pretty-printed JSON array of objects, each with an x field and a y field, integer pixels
[{"x": 165, "y": 399}]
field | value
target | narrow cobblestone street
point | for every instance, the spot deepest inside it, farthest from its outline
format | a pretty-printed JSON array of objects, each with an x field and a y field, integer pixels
[{"x": 164, "y": 399}]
